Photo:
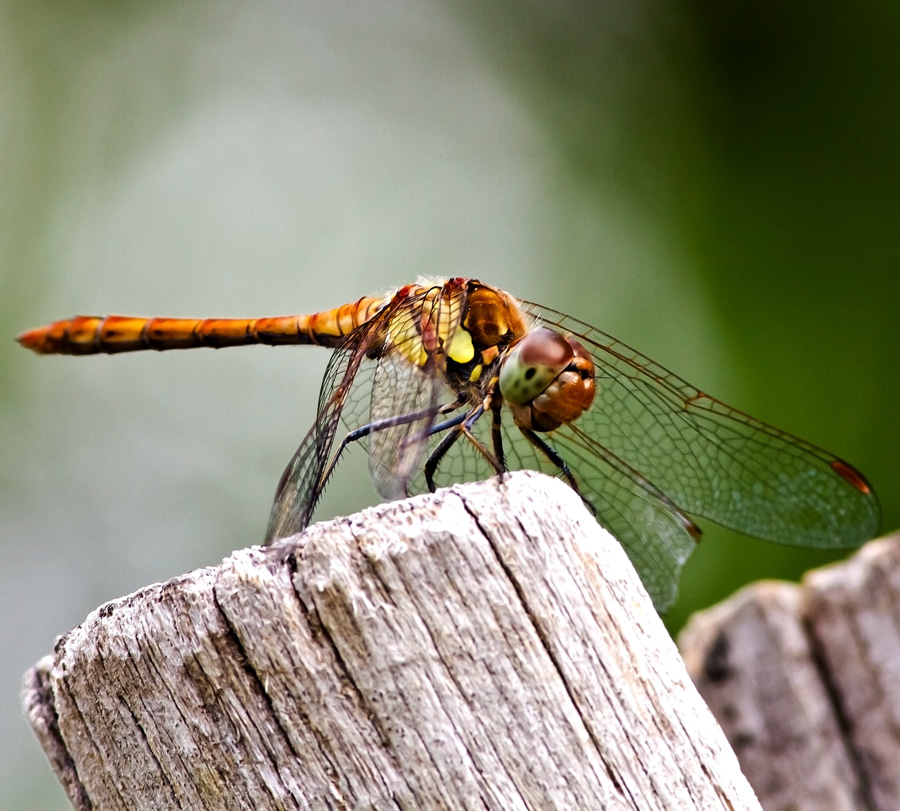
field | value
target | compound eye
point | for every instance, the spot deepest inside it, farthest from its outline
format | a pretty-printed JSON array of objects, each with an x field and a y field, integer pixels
[{"x": 533, "y": 364}]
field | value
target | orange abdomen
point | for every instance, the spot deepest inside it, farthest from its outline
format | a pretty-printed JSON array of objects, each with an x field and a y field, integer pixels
[{"x": 91, "y": 335}]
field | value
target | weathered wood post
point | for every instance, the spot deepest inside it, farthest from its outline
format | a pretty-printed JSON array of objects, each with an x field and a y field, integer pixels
[
  {"x": 486, "y": 647},
  {"x": 805, "y": 680}
]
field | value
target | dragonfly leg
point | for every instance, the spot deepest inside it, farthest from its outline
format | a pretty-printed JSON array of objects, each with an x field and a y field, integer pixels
[
  {"x": 494, "y": 461},
  {"x": 431, "y": 465},
  {"x": 557, "y": 461},
  {"x": 382, "y": 424},
  {"x": 464, "y": 428},
  {"x": 443, "y": 426},
  {"x": 496, "y": 403},
  {"x": 392, "y": 422},
  {"x": 434, "y": 459},
  {"x": 364, "y": 430}
]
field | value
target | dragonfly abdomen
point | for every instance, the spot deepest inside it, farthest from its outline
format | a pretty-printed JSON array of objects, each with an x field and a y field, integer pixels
[{"x": 92, "y": 335}]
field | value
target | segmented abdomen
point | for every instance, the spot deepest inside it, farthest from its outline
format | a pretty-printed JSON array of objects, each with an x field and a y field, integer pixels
[{"x": 90, "y": 335}]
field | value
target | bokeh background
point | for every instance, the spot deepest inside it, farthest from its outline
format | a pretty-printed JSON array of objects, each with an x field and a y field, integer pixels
[{"x": 716, "y": 184}]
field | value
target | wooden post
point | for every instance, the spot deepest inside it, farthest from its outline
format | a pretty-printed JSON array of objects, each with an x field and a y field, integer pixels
[
  {"x": 485, "y": 647},
  {"x": 805, "y": 680}
]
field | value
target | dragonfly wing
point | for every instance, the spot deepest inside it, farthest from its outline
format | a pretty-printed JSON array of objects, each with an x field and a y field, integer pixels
[
  {"x": 385, "y": 383},
  {"x": 303, "y": 479},
  {"x": 714, "y": 461},
  {"x": 656, "y": 536},
  {"x": 410, "y": 386},
  {"x": 399, "y": 388}
]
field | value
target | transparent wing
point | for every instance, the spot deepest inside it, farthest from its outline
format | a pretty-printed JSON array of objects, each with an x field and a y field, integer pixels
[
  {"x": 304, "y": 478},
  {"x": 386, "y": 390},
  {"x": 652, "y": 448},
  {"x": 409, "y": 387},
  {"x": 656, "y": 536},
  {"x": 709, "y": 459}
]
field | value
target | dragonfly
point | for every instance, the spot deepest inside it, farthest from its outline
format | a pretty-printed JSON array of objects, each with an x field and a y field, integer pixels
[{"x": 452, "y": 380}]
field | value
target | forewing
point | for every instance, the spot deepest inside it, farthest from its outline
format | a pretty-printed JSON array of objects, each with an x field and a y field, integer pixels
[
  {"x": 657, "y": 536},
  {"x": 653, "y": 532},
  {"x": 304, "y": 478},
  {"x": 410, "y": 386},
  {"x": 382, "y": 380},
  {"x": 712, "y": 460}
]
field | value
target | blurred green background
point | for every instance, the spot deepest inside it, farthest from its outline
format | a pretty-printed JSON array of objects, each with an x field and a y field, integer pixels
[{"x": 716, "y": 184}]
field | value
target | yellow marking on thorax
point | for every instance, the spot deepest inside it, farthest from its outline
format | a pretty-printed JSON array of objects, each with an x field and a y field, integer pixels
[{"x": 461, "y": 348}]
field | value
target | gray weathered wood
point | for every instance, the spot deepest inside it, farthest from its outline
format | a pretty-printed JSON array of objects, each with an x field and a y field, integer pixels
[
  {"x": 486, "y": 647},
  {"x": 805, "y": 681}
]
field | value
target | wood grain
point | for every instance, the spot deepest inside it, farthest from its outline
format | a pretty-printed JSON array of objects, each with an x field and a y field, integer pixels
[
  {"x": 805, "y": 681},
  {"x": 485, "y": 647}
]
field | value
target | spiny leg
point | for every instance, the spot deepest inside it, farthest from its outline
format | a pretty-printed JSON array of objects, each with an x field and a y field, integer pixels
[
  {"x": 464, "y": 428},
  {"x": 460, "y": 401},
  {"x": 383, "y": 424},
  {"x": 496, "y": 404},
  {"x": 431, "y": 464},
  {"x": 557, "y": 460}
]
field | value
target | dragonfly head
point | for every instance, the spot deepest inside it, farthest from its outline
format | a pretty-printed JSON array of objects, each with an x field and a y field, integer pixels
[{"x": 547, "y": 380}]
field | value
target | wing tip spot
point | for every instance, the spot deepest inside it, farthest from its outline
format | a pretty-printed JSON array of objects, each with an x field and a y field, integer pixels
[{"x": 851, "y": 475}]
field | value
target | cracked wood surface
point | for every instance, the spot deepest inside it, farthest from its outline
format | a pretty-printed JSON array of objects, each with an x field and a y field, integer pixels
[
  {"x": 805, "y": 681},
  {"x": 485, "y": 647}
]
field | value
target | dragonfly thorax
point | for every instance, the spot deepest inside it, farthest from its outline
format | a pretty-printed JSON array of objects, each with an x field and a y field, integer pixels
[
  {"x": 547, "y": 379},
  {"x": 492, "y": 322}
]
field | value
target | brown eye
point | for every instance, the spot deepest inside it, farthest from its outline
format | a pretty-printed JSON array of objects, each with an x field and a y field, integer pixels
[{"x": 532, "y": 365}]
